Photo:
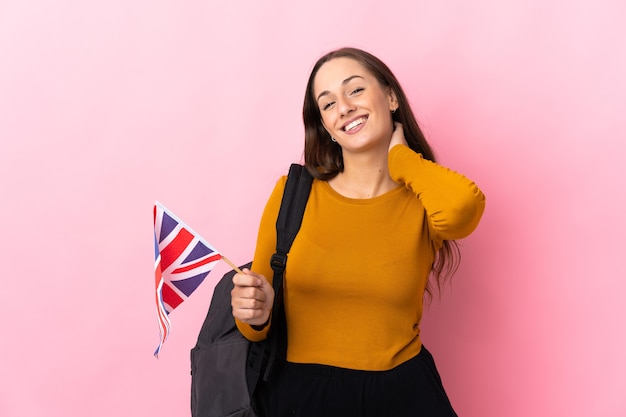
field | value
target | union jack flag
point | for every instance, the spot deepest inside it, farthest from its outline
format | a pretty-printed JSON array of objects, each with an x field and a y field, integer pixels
[{"x": 182, "y": 259}]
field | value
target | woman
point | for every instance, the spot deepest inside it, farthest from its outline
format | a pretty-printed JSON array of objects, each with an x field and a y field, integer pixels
[{"x": 380, "y": 220}]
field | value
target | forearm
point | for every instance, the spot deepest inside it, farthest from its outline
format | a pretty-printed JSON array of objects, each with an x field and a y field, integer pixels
[
  {"x": 453, "y": 203},
  {"x": 265, "y": 248}
]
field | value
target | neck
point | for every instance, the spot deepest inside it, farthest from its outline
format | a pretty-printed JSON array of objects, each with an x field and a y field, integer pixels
[{"x": 364, "y": 176}]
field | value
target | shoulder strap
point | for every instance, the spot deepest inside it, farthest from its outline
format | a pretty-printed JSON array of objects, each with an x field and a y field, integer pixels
[{"x": 293, "y": 204}]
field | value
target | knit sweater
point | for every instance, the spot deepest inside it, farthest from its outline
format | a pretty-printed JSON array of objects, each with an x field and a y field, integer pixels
[{"x": 358, "y": 268}]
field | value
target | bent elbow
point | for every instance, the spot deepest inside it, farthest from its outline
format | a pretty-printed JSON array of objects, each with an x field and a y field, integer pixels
[{"x": 461, "y": 219}]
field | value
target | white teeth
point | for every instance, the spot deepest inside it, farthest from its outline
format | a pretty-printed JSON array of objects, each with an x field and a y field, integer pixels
[{"x": 354, "y": 124}]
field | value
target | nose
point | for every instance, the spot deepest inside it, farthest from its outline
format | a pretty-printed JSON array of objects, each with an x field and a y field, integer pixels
[{"x": 345, "y": 106}]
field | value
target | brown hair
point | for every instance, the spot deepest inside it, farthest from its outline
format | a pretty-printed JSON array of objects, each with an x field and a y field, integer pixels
[{"x": 323, "y": 157}]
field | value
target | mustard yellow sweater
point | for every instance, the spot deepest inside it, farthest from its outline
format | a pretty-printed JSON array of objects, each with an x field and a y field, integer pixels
[{"x": 357, "y": 270}]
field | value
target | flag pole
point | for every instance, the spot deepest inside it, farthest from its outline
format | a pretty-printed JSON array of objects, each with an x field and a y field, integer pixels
[{"x": 232, "y": 265}]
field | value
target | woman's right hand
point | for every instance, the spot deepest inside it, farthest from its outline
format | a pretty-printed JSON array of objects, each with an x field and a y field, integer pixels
[{"x": 252, "y": 298}]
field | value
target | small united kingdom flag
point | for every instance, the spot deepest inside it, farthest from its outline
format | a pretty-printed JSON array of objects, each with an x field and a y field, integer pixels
[{"x": 182, "y": 260}]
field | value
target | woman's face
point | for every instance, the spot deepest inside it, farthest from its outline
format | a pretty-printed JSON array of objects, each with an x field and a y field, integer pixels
[{"x": 355, "y": 108}]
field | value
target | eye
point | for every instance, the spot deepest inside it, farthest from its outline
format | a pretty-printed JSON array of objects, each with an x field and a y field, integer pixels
[
  {"x": 327, "y": 105},
  {"x": 356, "y": 91}
]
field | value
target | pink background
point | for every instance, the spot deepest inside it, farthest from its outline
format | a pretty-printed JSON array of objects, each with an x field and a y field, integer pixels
[{"x": 106, "y": 106}]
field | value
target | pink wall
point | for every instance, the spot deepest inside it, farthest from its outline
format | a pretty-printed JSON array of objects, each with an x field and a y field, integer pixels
[{"x": 108, "y": 106}]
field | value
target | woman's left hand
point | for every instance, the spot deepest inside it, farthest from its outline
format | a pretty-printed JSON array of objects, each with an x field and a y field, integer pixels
[{"x": 397, "y": 137}]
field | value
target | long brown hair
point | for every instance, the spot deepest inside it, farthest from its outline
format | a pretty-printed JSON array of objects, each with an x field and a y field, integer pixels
[{"x": 323, "y": 157}]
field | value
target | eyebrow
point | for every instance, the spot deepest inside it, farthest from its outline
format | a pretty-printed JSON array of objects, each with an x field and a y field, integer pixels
[{"x": 344, "y": 82}]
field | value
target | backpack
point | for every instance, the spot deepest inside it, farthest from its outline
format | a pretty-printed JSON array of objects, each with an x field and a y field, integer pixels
[{"x": 226, "y": 368}]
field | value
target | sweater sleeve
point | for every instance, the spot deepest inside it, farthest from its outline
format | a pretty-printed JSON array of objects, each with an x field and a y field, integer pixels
[
  {"x": 453, "y": 203},
  {"x": 265, "y": 248}
]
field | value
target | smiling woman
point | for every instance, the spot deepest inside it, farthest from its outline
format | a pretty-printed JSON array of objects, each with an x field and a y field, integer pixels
[
  {"x": 355, "y": 108},
  {"x": 381, "y": 219}
]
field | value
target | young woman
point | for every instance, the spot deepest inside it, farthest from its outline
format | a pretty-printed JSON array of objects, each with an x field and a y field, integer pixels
[{"x": 377, "y": 234}]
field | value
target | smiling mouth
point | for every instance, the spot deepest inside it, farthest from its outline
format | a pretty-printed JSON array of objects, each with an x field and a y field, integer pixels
[{"x": 354, "y": 124}]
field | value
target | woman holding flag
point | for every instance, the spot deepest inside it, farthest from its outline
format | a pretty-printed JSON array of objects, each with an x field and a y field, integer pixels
[{"x": 377, "y": 236}]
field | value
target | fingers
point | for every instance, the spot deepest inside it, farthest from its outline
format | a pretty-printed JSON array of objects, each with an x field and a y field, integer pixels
[
  {"x": 251, "y": 298},
  {"x": 397, "y": 137},
  {"x": 248, "y": 279}
]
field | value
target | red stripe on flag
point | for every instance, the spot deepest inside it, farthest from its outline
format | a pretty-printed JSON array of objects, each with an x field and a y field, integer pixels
[
  {"x": 176, "y": 247},
  {"x": 170, "y": 297},
  {"x": 162, "y": 318},
  {"x": 157, "y": 274},
  {"x": 198, "y": 264}
]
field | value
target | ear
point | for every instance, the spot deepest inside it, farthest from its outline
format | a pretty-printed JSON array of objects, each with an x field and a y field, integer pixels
[{"x": 393, "y": 100}]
